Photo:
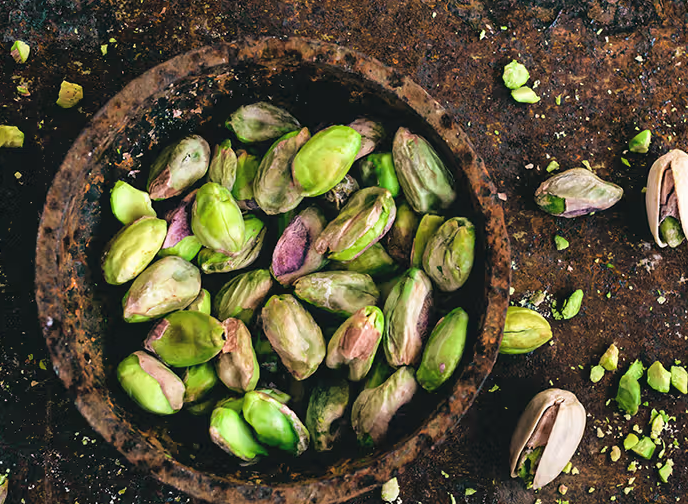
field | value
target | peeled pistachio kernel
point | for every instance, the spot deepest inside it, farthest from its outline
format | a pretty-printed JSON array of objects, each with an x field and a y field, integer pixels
[
  {"x": 216, "y": 219},
  {"x": 129, "y": 204},
  {"x": 448, "y": 256},
  {"x": 70, "y": 94},
  {"x": 636, "y": 370},
  {"x": 375, "y": 262},
  {"x": 223, "y": 165},
  {"x": 180, "y": 241},
  {"x": 150, "y": 384},
  {"x": 178, "y": 167},
  {"x": 132, "y": 249},
  {"x": 444, "y": 350},
  {"x": 576, "y": 192},
  {"x": 217, "y": 262},
  {"x": 610, "y": 358},
  {"x": 371, "y": 133},
  {"x": 232, "y": 433},
  {"x": 515, "y": 75},
  {"x": 524, "y": 331},
  {"x": 326, "y": 406},
  {"x": 671, "y": 232},
  {"x": 553, "y": 421},
  {"x": 324, "y": 160},
  {"x": 356, "y": 341},
  {"x": 20, "y": 51},
  {"x": 243, "y": 295},
  {"x": 11, "y": 136},
  {"x": 667, "y": 183},
  {"x": 199, "y": 380},
  {"x": 571, "y": 306},
  {"x": 246, "y": 169},
  {"x": 658, "y": 421},
  {"x": 525, "y": 95},
  {"x": 641, "y": 142},
  {"x": 596, "y": 373},
  {"x": 341, "y": 292},
  {"x": 658, "y": 378},
  {"x": 261, "y": 121},
  {"x": 679, "y": 379},
  {"x": 237, "y": 365},
  {"x": 201, "y": 303},
  {"x": 428, "y": 226},
  {"x": 378, "y": 170}
]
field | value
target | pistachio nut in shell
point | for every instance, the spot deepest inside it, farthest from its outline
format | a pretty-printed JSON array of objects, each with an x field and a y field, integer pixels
[
  {"x": 371, "y": 133},
  {"x": 261, "y": 121},
  {"x": 399, "y": 239},
  {"x": 180, "y": 240},
  {"x": 169, "y": 284},
  {"x": 294, "y": 335},
  {"x": 242, "y": 295},
  {"x": 326, "y": 405},
  {"x": 374, "y": 407},
  {"x": 667, "y": 194},
  {"x": 151, "y": 384},
  {"x": 216, "y": 219},
  {"x": 237, "y": 365},
  {"x": 555, "y": 420},
  {"x": 247, "y": 167},
  {"x": 223, "y": 165},
  {"x": 199, "y": 380},
  {"x": 448, "y": 256},
  {"x": 274, "y": 423},
  {"x": 132, "y": 249},
  {"x": 128, "y": 203},
  {"x": 202, "y": 303},
  {"x": 576, "y": 192},
  {"x": 341, "y": 292},
  {"x": 178, "y": 167},
  {"x": 377, "y": 169},
  {"x": 524, "y": 331},
  {"x": 375, "y": 262},
  {"x": 186, "y": 338},
  {"x": 232, "y": 433},
  {"x": 324, "y": 160},
  {"x": 216, "y": 262},
  {"x": 356, "y": 341}
]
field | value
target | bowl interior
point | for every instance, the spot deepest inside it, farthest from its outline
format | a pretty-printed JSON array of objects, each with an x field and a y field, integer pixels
[{"x": 81, "y": 314}]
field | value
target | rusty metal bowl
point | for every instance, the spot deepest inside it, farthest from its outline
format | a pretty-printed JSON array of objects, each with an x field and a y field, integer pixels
[{"x": 80, "y": 315}]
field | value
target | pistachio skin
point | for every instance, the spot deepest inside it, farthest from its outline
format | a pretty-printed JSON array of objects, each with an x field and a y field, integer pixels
[
  {"x": 356, "y": 341},
  {"x": 341, "y": 292},
  {"x": 326, "y": 405},
  {"x": 576, "y": 192},
  {"x": 524, "y": 331},
  {"x": 180, "y": 240},
  {"x": 237, "y": 365},
  {"x": 223, "y": 165},
  {"x": 129, "y": 204},
  {"x": 199, "y": 380},
  {"x": 178, "y": 167},
  {"x": 242, "y": 295},
  {"x": 261, "y": 121},
  {"x": 667, "y": 194},
  {"x": 216, "y": 219},
  {"x": 153, "y": 386},
  {"x": 232, "y": 433},
  {"x": 371, "y": 133},
  {"x": 399, "y": 240},
  {"x": 132, "y": 249},
  {"x": 216, "y": 262},
  {"x": 339, "y": 195},
  {"x": 524, "y": 95},
  {"x": 448, "y": 256}
]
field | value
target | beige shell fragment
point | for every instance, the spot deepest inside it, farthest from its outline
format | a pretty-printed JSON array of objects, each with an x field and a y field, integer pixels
[
  {"x": 555, "y": 419},
  {"x": 677, "y": 161}
]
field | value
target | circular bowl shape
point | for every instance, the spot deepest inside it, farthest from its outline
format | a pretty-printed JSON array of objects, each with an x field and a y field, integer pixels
[{"x": 80, "y": 315}]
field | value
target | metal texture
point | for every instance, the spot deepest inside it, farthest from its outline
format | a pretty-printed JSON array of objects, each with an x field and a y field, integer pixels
[{"x": 192, "y": 92}]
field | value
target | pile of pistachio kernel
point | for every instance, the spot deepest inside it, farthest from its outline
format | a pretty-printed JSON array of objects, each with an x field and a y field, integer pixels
[{"x": 359, "y": 257}]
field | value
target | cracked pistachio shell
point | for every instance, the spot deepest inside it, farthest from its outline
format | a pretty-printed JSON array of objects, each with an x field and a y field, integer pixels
[
  {"x": 151, "y": 384},
  {"x": 554, "y": 419},
  {"x": 186, "y": 338},
  {"x": 232, "y": 433},
  {"x": 202, "y": 303},
  {"x": 295, "y": 255},
  {"x": 407, "y": 318},
  {"x": 246, "y": 169},
  {"x": 129, "y": 204},
  {"x": 274, "y": 188},
  {"x": 667, "y": 193},
  {"x": 261, "y": 121},
  {"x": 216, "y": 262},
  {"x": 178, "y": 167},
  {"x": 443, "y": 350},
  {"x": 428, "y": 226},
  {"x": 374, "y": 407},
  {"x": 274, "y": 423},
  {"x": 132, "y": 249},
  {"x": 339, "y": 195},
  {"x": 294, "y": 335},
  {"x": 223, "y": 165},
  {"x": 199, "y": 380},
  {"x": 371, "y": 133},
  {"x": 576, "y": 192},
  {"x": 375, "y": 262},
  {"x": 423, "y": 177},
  {"x": 242, "y": 295},
  {"x": 216, "y": 219},
  {"x": 448, "y": 256},
  {"x": 326, "y": 406},
  {"x": 378, "y": 170},
  {"x": 355, "y": 343},
  {"x": 341, "y": 292},
  {"x": 399, "y": 240},
  {"x": 363, "y": 221},
  {"x": 167, "y": 285},
  {"x": 237, "y": 365},
  {"x": 324, "y": 160},
  {"x": 524, "y": 331},
  {"x": 180, "y": 241}
]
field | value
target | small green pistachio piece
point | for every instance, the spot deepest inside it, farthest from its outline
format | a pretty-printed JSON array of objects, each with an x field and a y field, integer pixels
[
  {"x": 571, "y": 306},
  {"x": 561, "y": 243},
  {"x": 679, "y": 379},
  {"x": 641, "y": 142},
  {"x": 671, "y": 231},
  {"x": 628, "y": 394},
  {"x": 11, "y": 136},
  {"x": 610, "y": 358},
  {"x": 666, "y": 470},
  {"x": 645, "y": 448},
  {"x": 390, "y": 490},
  {"x": 630, "y": 441},
  {"x": 525, "y": 95},
  {"x": 636, "y": 370},
  {"x": 515, "y": 75},
  {"x": 658, "y": 378},
  {"x": 596, "y": 373},
  {"x": 70, "y": 94},
  {"x": 20, "y": 51}
]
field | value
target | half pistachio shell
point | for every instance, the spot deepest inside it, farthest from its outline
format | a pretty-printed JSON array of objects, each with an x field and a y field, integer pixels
[
  {"x": 667, "y": 193},
  {"x": 178, "y": 167},
  {"x": 237, "y": 365},
  {"x": 151, "y": 384}
]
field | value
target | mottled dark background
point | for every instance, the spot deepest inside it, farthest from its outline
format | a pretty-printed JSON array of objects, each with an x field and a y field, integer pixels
[{"x": 616, "y": 67}]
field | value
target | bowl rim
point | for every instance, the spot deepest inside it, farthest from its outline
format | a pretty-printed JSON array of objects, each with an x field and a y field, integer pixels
[{"x": 147, "y": 453}]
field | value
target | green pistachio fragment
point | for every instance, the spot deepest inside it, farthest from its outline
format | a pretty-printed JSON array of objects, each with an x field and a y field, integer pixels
[
  {"x": 223, "y": 165},
  {"x": 274, "y": 423},
  {"x": 658, "y": 421},
  {"x": 11, "y": 136},
  {"x": 199, "y": 380},
  {"x": 630, "y": 441},
  {"x": 576, "y": 192},
  {"x": 525, "y": 95},
  {"x": 658, "y": 378},
  {"x": 242, "y": 295},
  {"x": 324, "y": 160},
  {"x": 645, "y": 448},
  {"x": 340, "y": 292},
  {"x": 671, "y": 232},
  {"x": 363, "y": 221},
  {"x": 150, "y": 384},
  {"x": 261, "y": 121},
  {"x": 202, "y": 303},
  {"x": 628, "y": 394},
  {"x": 237, "y": 365},
  {"x": 375, "y": 262},
  {"x": 232, "y": 433},
  {"x": 679, "y": 379},
  {"x": 378, "y": 170},
  {"x": 167, "y": 285},
  {"x": 70, "y": 94},
  {"x": 641, "y": 142},
  {"x": 399, "y": 239},
  {"x": 596, "y": 373},
  {"x": 561, "y": 243},
  {"x": 294, "y": 335},
  {"x": 217, "y": 262},
  {"x": 371, "y": 133},
  {"x": 186, "y": 338},
  {"x": 246, "y": 169},
  {"x": 407, "y": 318},
  {"x": 390, "y": 490},
  {"x": 443, "y": 350},
  {"x": 131, "y": 249},
  {"x": 571, "y": 306},
  {"x": 428, "y": 226},
  {"x": 524, "y": 331},
  {"x": 129, "y": 204},
  {"x": 515, "y": 75},
  {"x": 448, "y": 256},
  {"x": 666, "y": 470},
  {"x": 610, "y": 358},
  {"x": 339, "y": 195},
  {"x": 20, "y": 51},
  {"x": 326, "y": 406},
  {"x": 178, "y": 167},
  {"x": 423, "y": 177},
  {"x": 180, "y": 241},
  {"x": 216, "y": 219},
  {"x": 356, "y": 341},
  {"x": 374, "y": 408}
]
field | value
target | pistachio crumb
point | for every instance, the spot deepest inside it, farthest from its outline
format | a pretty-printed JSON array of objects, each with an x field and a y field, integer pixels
[
  {"x": 470, "y": 491},
  {"x": 591, "y": 489},
  {"x": 575, "y": 471},
  {"x": 563, "y": 489},
  {"x": 567, "y": 467},
  {"x": 627, "y": 490},
  {"x": 600, "y": 434}
]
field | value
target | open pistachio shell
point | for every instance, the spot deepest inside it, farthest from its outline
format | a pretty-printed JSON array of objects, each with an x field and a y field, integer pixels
[{"x": 667, "y": 192}]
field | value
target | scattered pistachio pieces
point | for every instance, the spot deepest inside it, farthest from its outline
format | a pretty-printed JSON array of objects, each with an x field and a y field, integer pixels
[
  {"x": 610, "y": 358},
  {"x": 615, "y": 454},
  {"x": 659, "y": 378},
  {"x": 596, "y": 373},
  {"x": 591, "y": 489},
  {"x": 20, "y": 51},
  {"x": 560, "y": 242},
  {"x": 11, "y": 136},
  {"x": 679, "y": 378},
  {"x": 23, "y": 90},
  {"x": 557, "y": 100},
  {"x": 525, "y": 95},
  {"x": 600, "y": 434},
  {"x": 552, "y": 166},
  {"x": 641, "y": 142},
  {"x": 632, "y": 467},
  {"x": 390, "y": 490},
  {"x": 575, "y": 471},
  {"x": 482, "y": 36},
  {"x": 494, "y": 388},
  {"x": 70, "y": 94},
  {"x": 630, "y": 441},
  {"x": 515, "y": 75}
]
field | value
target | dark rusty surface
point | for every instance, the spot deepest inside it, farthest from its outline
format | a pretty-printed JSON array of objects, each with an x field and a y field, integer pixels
[{"x": 630, "y": 74}]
